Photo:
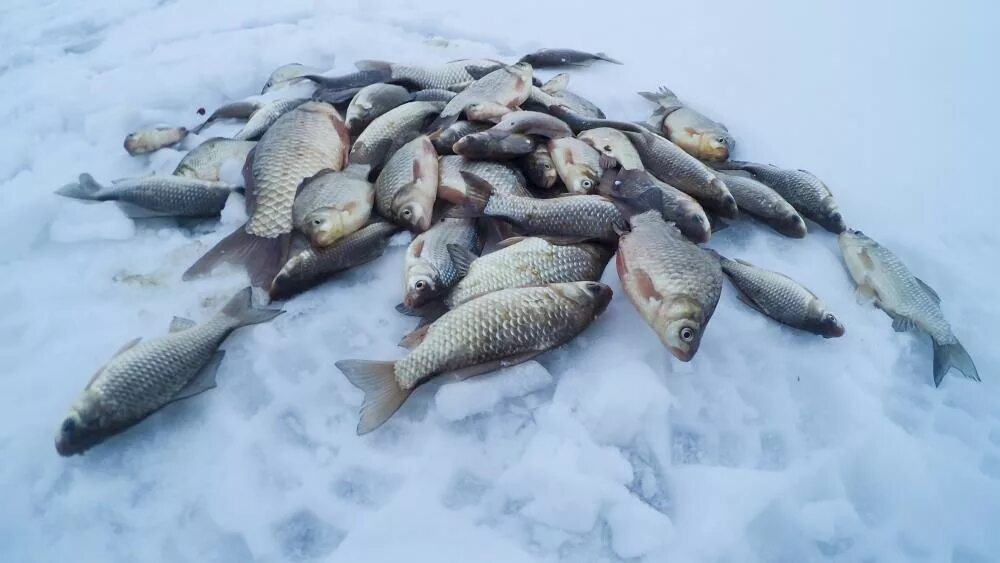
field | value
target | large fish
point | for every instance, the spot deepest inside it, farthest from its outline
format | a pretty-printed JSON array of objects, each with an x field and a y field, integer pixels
[
  {"x": 781, "y": 298},
  {"x": 533, "y": 123},
  {"x": 144, "y": 377},
  {"x": 688, "y": 129},
  {"x": 674, "y": 284},
  {"x": 883, "y": 278},
  {"x": 452, "y": 186},
  {"x": 406, "y": 189},
  {"x": 765, "y": 204},
  {"x": 641, "y": 191},
  {"x": 578, "y": 164},
  {"x": 304, "y": 141},
  {"x": 390, "y": 131},
  {"x": 332, "y": 204},
  {"x": 205, "y": 162},
  {"x": 490, "y": 97},
  {"x": 672, "y": 165},
  {"x": 496, "y": 330},
  {"x": 560, "y": 58},
  {"x": 265, "y": 116},
  {"x": 150, "y": 140},
  {"x": 613, "y": 144},
  {"x": 807, "y": 193},
  {"x": 429, "y": 269},
  {"x": 159, "y": 195}
]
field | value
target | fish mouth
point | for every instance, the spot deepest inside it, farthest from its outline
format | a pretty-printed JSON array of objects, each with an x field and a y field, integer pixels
[
  {"x": 683, "y": 355},
  {"x": 834, "y": 332},
  {"x": 65, "y": 449}
]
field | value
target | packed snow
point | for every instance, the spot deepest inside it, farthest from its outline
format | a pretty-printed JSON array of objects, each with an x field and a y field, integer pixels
[{"x": 772, "y": 445}]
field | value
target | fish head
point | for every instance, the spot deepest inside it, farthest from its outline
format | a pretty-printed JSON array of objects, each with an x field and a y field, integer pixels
[
  {"x": 357, "y": 115},
  {"x": 694, "y": 224},
  {"x": 325, "y": 226},
  {"x": 716, "y": 146},
  {"x": 78, "y": 431},
  {"x": 410, "y": 210},
  {"x": 792, "y": 225},
  {"x": 494, "y": 144},
  {"x": 422, "y": 287},
  {"x": 540, "y": 169},
  {"x": 589, "y": 295},
  {"x": 727, "y": 203},
  {"x": 679, "y": 325},
  {"x": 823, "y": 322},
  {"x": 831, "y": 219}
]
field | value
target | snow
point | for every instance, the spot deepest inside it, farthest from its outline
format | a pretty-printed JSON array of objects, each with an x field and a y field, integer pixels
[{"x": 771, "y": 445}]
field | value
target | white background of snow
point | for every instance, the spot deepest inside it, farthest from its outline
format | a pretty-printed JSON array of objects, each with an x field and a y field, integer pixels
[{"x": 770, "y": 446}]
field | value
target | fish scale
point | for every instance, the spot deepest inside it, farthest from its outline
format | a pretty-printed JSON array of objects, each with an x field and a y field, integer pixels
[
  {"x": 264, "y": 117},
  {"x": 781, "y": 298},
  {"x": 585, "y": 216},
  {"x": 444, "y": 76},
  {"x": 390, "y": 131},
  {"x": 183, "y": 196}
]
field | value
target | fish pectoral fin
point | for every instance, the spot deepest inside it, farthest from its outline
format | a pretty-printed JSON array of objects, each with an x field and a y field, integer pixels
[
  {"x": 750, "y": 303},
  {"x": 647, "y": 290},
  {"x": 929, "y": 289},
  {"x": 414, "y": 338},
  {"x": 127, "y": 345},
  {"x": 480, "y": 369},
  {"x": 462, "y": 258},
  {"x": 203, "y": 380},
  {"x": 180, "y": 323},
  {"x": 902, "y": 324},
  {"x": 133, "y": 211}
]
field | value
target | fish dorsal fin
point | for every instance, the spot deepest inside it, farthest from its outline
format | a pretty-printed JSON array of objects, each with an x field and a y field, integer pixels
[
  {"x": 127, "y": 346},
  {"x": 744, "y": 262},
  {"x": 929, "y": 289},
  {"x": 414, "y": 338},
  {"x": 180, "y": 323},
  {"x": 556, "y": 84},
  {"x": 471, "y": 371},
  {"x": 203, "y": 380},
  {"x": 509, "y": 242},
  {"x": 462, "y": 258}
]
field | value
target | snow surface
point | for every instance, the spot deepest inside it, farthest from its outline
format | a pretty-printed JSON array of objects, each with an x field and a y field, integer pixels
[{"x": 771, "y": 445}]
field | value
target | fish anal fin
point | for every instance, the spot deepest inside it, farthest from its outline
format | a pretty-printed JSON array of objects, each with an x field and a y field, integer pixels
[
  {"x": 480, "y": 369},
  {"x": 414, "y": 338},
  {"x": 902, "y": 324},
  {"x": 750, "y": 303},
  {"x": 203, "y": 380},
  {"x": 178, "y": 324}
]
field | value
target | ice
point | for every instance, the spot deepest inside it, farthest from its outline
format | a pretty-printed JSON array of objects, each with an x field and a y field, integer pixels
[{"x": 771, "y": 445}]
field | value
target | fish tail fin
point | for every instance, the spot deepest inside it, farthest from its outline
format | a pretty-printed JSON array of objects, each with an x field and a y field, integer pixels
[
  {"x": 262, "y": 257},
  {"x": 953, "y": 355},
  {"x": 86, "y": 188},
  {"x": 604, "y": 57},
  {"x": 443, "y": 121},
  {"x": 383, "y": 395},
  {"x": 477, "y": 196},
  {"x": 241, "y": 309}
]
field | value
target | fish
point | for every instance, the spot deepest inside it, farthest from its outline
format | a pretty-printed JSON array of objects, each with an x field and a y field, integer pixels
[
  {"x": 674, "y": 284},
  {"x": 154, "y": 139},
  {"x": 578, "y": 164},
  {"x": 159, "y": 195},
  {"x": 312, "y": 265},
  {"x": 578, "y": 113},
  {"x": 781, "y": 298},
  {"x": 452, "y": 186},
  {"x": 390, "y": 131},
  {"x": 539, "y": 168},
  {"x": 762, "y": 202},
  {"x": 304, "y": 141},
  {"x": 690, "y": 130},
  {"x": 494, "y": 145},
  {"x": 433, "y": 95},
  {"x": 524, "y": 262},
  {"x": 490, "y": 97},
  {"x": 407, "y": 187},
  {"x": 496, "y": 330},
  {"x": 556, "y": 88},
  {"x": 233, "y": 110},
  {"x": 613, "y": 144},
  {"x": 285, "y": 74},
  {"x": 144, "y": 377},
  {"x": 373, "y": 101},
  {"x": 265, "y": 116},
  {"x": 561, "y": 58},
  {"x": 429, "y": 269},
  {"x": 442, "y": 76},
  {"x": 444, "y": 140},
  {"x": 804, "y": 191},
  {"x": 884, "y": 279},
  {"x": 205, "y": 162},
  {"x": 570, "y": 218},
  {"x": 332, "y": 204},
  {"x": 641, "y": 191},
  {"x": 533, "y": 123},
  {"x": 668, "y": 163}
]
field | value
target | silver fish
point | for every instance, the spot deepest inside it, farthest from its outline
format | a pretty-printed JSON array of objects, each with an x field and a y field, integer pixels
[
  {"x": 429, "y": 269},
  {"x": 371, "y": 102},
  {"x": 285, "y": 74},
  {"x": 407, "y": 187},
  {"x": 310, "y": 138},
  {"x": 912, "y": 304},
  {"x": 265, "y": 116},
  {"x": 205, "y": 161},
  {"x": 387, "y": 133},
  {"x": 159, "y": 195},
  {"x": 781, "y": 298},
  {"x": 489, "y": 97},
  {"x": 672, "y": 165},
  {"x": 499, "y": 329},
  {"x": 765, "y": 204},
  {"x": 452, "y": 187},
  {"x": 443, "y": 76},
  {"x": 332, "y": 205},
  {"x": 560, "y": 58},
  {"x": 445, "y": 139},
  {"x": 233, "y": 110},
  {"x": 674, "y": 284},
  {"x": 582, "y": 107},
  {"x": 144, "y": 377},
  {"x": 613, "y": 144},
  {"x": 690, "y": 130},
  {"x": 578, "y": 164},
  {"x": 640, "y": 190},
  {"x": 150, "y": 140},
  {"x": 312, "y": 266},
  {"x": 533, "y": 123},
  {"x": 807, "y": 193},
  {"x": 539, "y": 168},
  {"x": 494, "y": 145}
]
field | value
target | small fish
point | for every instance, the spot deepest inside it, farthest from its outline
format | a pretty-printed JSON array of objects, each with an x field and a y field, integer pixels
[
  {"x": 690, "y": 130},
  {"x": 613, "y": 144},
  {"x": 151, "y": 140},
  {"x": 674, "y": 284},
  {"x": 539, "y": 168},
  {"x": 453, "y": 188},
  {"x": 390, "y": 131},
  {"x": 668, "y": 163},
  {"x": 265, "y": 116},
  {"x": 807, "y": 193},
  {"x": 205, "y": 162},
  {"x": 570, "y": 218},
  {"x": 883, "y": 278},
  {"x": 578, "y": 164},
  {"x": 373, "y": 101},
  {"x": 312, "y": 266},
  {"x": 490, "y": 97},
  {"x": 499, "y": 329},
  {"x": 433, "y": 95},
  {"x": 533, "y": 123},
  {"x": 781, "y": 298},
  {"x": 561, "y": 58},
  {"x": 555, "y": 88},
  {"x": 332, "y": 205},
  {"x": 445, "y": 139},
  {"x": 159, "y": 195},
  {"x": 233, "y": 110},
  {"x": 765, "y": 204},
  {"x": 285, "y": 74},
  {"x": 407, "y": 187},
  {"x": 144, "y": 377},
  {"x": 494, "y": 145},
  {"x": 430, "y": 271},
  {"x": 640, "y": 190}
]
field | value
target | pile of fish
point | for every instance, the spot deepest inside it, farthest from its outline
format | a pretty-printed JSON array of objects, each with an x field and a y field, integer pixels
[{"x": 469, "y": 156}]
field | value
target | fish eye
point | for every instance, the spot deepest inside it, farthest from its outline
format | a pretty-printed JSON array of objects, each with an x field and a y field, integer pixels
[
  {"x": 547, "y": 166},
  {"x": 407, "y": 212},
  {"x": 594, "y": 287},
  {"x": 317, "y": 221},
  {"x": 830, "y": 318},
  {"x": 420, "y": 285},
  {"x": 586, "y": 184},
  {"x": 608, "y": 148},
  {"x": 687, "y": 334},
  {"x": 68, "y": 426}
]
